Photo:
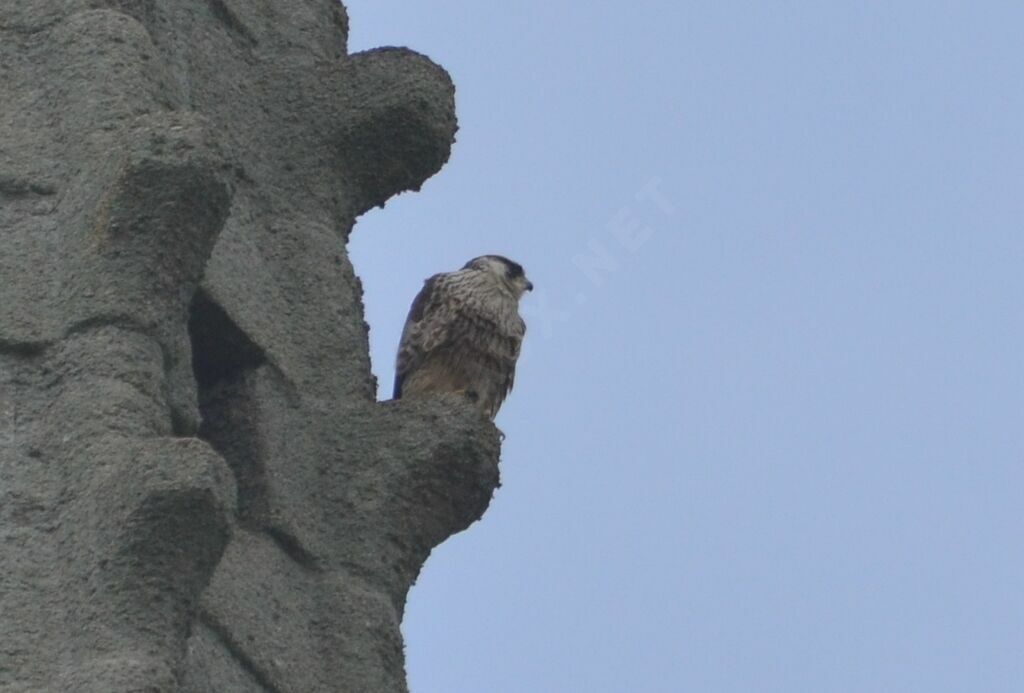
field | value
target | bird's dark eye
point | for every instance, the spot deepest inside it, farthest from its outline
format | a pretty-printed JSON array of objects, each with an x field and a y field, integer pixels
[{"x": 514, "y": 270}]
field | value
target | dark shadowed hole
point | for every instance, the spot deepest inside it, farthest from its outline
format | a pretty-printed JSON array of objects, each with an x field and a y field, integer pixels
[
  {"x": 223, "y": 360},
  {"x": 220, "y": 350}
]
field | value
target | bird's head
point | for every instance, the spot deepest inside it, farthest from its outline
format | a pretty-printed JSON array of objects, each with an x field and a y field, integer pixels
[{"x": 509, "y": 274}]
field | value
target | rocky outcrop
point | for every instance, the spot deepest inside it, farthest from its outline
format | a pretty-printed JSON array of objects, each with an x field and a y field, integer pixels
[{"x": 198, "y": 489}]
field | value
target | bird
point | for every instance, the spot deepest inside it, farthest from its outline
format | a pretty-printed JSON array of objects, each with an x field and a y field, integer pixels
[{"x": 463, "y": 334}]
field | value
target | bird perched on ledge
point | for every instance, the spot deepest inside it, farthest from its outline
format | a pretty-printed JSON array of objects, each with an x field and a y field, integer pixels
[{"x": 463, "y": 333}]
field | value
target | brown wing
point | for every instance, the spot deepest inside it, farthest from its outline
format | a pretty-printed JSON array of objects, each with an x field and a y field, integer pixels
[{"x": 425, "y": 328}]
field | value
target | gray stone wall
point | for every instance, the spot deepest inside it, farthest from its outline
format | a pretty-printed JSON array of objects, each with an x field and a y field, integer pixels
[{"x": 198, "y": 490}]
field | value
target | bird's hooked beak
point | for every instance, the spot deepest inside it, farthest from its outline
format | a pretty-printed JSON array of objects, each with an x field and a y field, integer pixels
[{"x": 529, "y": 285}]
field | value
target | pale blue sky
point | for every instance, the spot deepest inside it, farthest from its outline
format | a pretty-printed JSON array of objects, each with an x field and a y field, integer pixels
[{"x": 775, "y": 444}]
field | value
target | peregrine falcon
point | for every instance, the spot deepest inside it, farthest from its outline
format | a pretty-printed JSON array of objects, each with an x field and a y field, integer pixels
[{"x": 463, "y": 333}]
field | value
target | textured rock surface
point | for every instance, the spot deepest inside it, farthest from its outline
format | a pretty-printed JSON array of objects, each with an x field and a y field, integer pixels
[{"x": 198, "y": 491}]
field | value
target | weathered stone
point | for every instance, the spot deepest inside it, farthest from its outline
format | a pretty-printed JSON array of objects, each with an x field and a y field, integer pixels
[{"x": 198, "y": 490}]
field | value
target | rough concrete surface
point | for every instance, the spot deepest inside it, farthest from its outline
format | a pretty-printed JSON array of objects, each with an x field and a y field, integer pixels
[{"x": 198, "y": 490}]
